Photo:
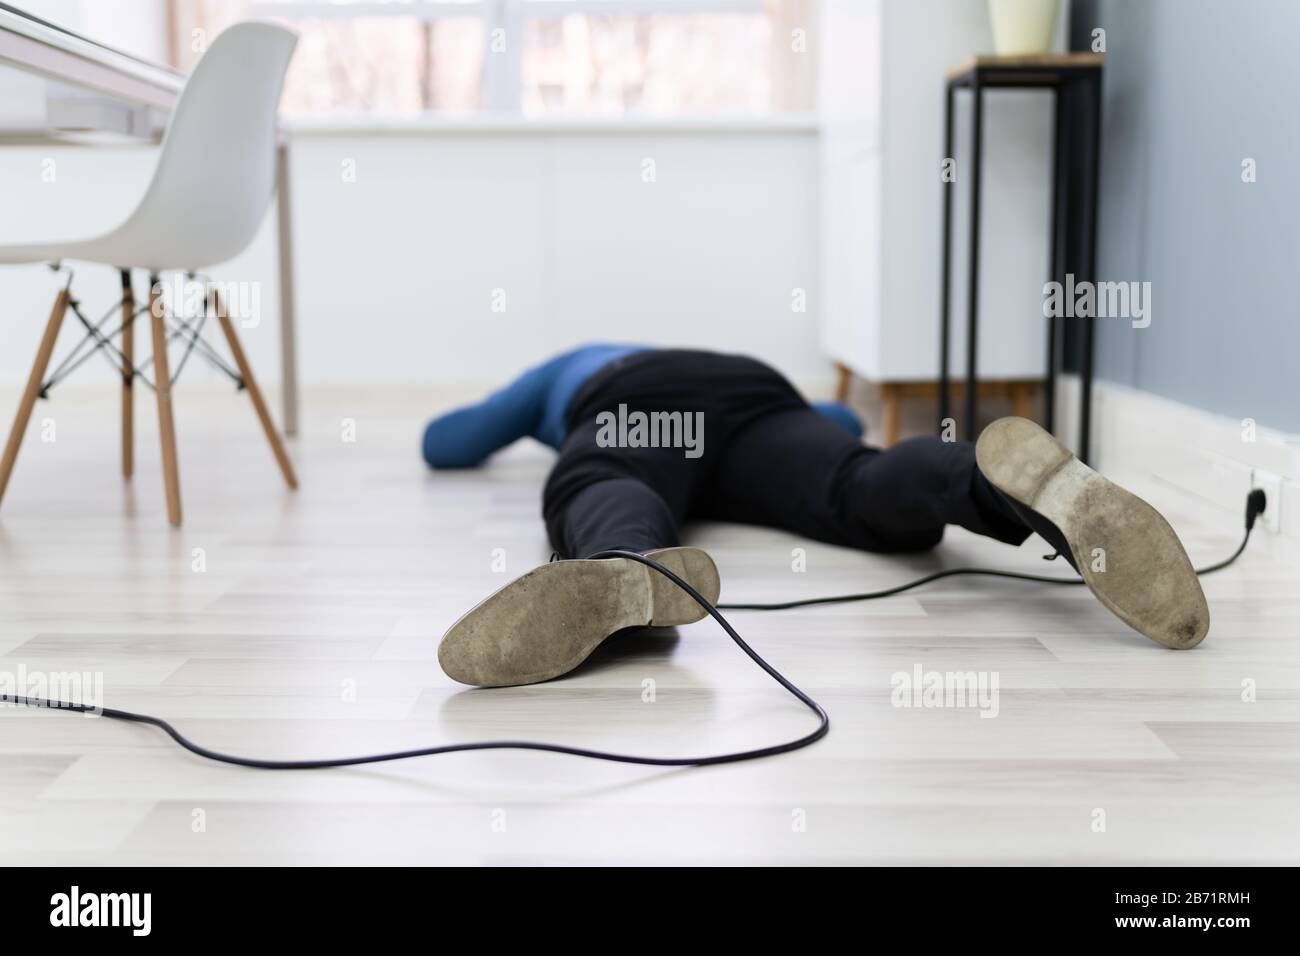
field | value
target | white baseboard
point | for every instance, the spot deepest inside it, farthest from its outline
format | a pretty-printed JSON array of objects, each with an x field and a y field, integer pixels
[{"x": 1211, "y": 456}]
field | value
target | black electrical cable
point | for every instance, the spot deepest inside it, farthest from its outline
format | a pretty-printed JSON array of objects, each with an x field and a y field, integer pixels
[
  {"x": 940, "y": 575},
  {"x": 1255, "y": 503},
  {"x": 823, "y": 721}
]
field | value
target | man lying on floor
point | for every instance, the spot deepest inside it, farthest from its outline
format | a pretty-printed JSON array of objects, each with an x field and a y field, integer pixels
[{"x": 749, "y": 449}]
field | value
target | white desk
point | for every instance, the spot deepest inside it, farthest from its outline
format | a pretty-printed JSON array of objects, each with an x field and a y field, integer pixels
[{"x": 100, "y": 89}]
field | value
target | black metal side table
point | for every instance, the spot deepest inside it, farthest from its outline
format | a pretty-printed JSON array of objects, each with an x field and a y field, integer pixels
[{"x": 1075, "y": 79}]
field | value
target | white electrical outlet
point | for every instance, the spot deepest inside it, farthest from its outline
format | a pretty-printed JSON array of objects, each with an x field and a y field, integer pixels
[{"x": 1272, "y": 487}]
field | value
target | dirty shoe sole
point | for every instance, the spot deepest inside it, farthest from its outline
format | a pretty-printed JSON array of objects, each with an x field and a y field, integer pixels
[
  {"x": 548, "y": 621},
  {"x": 1148, "y": 582}
]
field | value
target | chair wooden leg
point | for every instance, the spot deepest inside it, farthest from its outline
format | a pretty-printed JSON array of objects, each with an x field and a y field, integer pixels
[
  {"x": 843, "y": 380},
  {"x": 163, "y": 392},
  {"x": 255, "y": 393},
  {"x": 128, "y": 376},
  {"x": 33, "y": 389},
  {"x": 891, "y": 396}
]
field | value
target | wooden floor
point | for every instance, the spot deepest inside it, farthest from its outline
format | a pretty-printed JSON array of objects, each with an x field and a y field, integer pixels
[{"x": 308, "y": 622}]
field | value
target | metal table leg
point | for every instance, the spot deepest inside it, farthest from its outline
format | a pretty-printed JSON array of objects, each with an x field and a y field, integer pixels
[
  {"x": 973, "y": 284},
  {"x": 1056, "y": 255},
  {"x": 1089, "y": 326},
  {"x": 945, "y": 286}
]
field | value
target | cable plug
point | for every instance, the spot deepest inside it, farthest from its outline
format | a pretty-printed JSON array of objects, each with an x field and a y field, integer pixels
[{"x": 1256, "y": 502}]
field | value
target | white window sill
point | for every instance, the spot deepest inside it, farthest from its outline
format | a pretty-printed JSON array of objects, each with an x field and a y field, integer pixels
[{"x": 515, "y": 125}]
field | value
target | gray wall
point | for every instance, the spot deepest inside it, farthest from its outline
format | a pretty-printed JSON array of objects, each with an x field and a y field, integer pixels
[{"x": 1192, "y": 88}]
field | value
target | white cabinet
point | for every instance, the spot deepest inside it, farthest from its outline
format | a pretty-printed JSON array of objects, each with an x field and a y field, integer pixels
[{"x": 882, "y": 86}]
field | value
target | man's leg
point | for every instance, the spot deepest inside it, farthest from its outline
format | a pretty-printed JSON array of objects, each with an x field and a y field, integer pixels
[
  {"x": 614, "y": 512},
  {"x": 788, "y": 472},
  {"x": 547, "y": 622},
  {"x": 796, "y": 470},
  {"x": 1124, "y": 549},
  {"x": 598, "y": 498}
]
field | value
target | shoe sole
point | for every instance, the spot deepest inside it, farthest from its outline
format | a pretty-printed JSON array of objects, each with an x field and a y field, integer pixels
[
  {"x": 1148, "y": 581},
  {"x": 548, "y": 621}
]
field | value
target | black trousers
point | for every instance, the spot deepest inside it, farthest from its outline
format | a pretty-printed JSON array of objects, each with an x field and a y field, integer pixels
[{"x": 766, "y": 458}]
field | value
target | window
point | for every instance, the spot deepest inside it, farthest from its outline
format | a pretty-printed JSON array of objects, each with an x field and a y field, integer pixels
[{"x": 536, "y": 58}]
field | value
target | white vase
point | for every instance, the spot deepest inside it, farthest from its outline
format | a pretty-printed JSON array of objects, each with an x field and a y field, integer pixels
[{"x": 1022, "y": 26}]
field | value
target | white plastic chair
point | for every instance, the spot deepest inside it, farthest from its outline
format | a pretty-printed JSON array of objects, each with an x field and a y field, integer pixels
[{"x": 211, "y": 188}]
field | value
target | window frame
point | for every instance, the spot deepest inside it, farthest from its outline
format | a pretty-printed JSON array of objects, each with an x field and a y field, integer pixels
[{"x": 502, "y": 77}]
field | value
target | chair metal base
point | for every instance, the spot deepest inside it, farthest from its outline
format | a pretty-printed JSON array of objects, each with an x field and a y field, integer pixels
[{"x": 166, "y": 327}]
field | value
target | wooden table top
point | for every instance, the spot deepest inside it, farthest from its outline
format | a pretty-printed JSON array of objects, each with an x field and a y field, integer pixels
[{"x": 1046, "y": 62}]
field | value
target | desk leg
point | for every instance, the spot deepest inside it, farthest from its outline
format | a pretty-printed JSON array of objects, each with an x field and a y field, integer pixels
[
  {"x": 1089, "y": 326},
  {"x": 973, "y": 280},
  {"x": 288, "y": 340},
  {"x": 1056, "y": 254},
  {"x": 945, "y": 285}
]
